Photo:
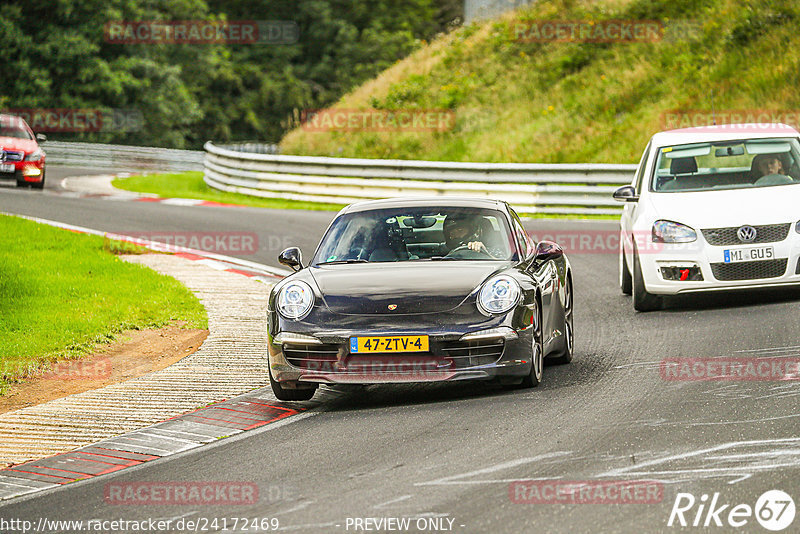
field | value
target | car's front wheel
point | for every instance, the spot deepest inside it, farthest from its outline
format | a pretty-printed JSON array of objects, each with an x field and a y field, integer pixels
[
  {"x": 625, "y": 279},
  {"x": 287, "y": 394},
  {"x": 569, "y": 334},
  {"x": 642, "y": 300},
  {"x": 39, "y": 185},
  {"x": 534, "y": 378}
]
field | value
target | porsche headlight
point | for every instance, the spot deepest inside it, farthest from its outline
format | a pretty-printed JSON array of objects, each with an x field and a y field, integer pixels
[
  {"x": 672, "y": 232},
  {"x": 295, "y": 300},
  {"x": 499, "y": 294},
  {"x": 36, "y": 155}
]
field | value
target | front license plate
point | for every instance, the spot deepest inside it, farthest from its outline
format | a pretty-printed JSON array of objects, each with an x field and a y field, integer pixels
[
  {"x": 749, "y": 254},
  {"x": 389, "y": 344},
  {"x": 6, "y": 167}
]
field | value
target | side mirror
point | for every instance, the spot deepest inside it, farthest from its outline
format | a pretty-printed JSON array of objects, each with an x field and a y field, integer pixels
[
  {"x": 546, "y": 251},
  {"x": 41, "y": 138},
  {"x": 626, "y": 193},
  {"x": 291, "y": 257}
]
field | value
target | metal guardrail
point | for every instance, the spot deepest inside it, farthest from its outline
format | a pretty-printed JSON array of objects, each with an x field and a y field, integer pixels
[
  {"x": 119, "y": 157},
  {"x": 568, "y": 189}
]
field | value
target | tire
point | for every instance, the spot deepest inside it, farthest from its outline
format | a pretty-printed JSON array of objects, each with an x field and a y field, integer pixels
[
  {"x": 286, "y": 394},
  {"x": 534, "y": 378},
  {"x": 39, "y": 185},
  {"x": 625, "y": 279},
  {"x": 642, "y": 300},
  {"x": 569, "y": 333}
]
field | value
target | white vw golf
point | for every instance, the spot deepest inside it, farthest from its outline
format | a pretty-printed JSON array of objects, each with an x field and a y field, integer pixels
[{"x": 712, "y": 208}]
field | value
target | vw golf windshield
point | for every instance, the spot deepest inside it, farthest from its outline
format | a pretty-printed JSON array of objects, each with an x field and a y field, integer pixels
[{"x": 738, "y": 164}]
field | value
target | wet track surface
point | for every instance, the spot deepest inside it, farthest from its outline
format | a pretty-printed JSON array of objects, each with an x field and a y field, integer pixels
[{"x": 446, "y": 452}]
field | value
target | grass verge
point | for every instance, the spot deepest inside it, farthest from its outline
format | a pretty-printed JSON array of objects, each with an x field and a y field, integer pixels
[
  {"x": 63, "y": 293},
  {"x": 191, "y": 185}
]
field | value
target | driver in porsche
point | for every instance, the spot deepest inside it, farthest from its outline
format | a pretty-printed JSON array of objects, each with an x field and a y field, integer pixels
[{"x": 464, "y": 232}]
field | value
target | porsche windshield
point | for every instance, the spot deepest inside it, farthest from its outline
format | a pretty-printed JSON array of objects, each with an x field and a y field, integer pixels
[
  {"x": 413, "y": 234},
  {"x": 736, "y": 164}
]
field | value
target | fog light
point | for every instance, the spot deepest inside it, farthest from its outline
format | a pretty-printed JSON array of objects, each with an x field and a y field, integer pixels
[
  {"x": 682, "y": 273},
  {"x": 502, "y": 332},
  {"x": 296, "y": 339},
  {"x": 31, "y": 171}
]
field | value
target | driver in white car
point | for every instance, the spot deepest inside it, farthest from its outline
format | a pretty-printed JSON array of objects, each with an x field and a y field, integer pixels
[{"x": 769, "y": 164}]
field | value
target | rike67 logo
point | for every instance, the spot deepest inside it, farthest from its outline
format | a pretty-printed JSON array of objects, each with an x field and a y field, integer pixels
[{"x": 774, "y": 510}]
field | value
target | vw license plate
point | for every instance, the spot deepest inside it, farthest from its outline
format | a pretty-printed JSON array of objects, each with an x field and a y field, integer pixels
[
  {"x": 6, "y": 167},
  {"x": 389, "y": 344},
  {"x": 749, "y": 254}
]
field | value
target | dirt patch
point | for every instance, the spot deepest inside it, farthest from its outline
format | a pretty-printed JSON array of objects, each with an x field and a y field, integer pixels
[{"x": 138, "y": 352}]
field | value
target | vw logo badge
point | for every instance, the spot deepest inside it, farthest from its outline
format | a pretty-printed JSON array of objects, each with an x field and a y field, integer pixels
[{"x": 746, "y": 234}]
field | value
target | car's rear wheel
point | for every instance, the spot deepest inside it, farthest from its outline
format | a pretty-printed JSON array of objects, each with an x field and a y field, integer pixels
[
  {"x": 625, "y": 279},
  {"x": 569, "y": 334},
  {"x": 534, "y": 378},
  {"x": 642, "y": 300},
  {"x": 287, "y": 394}
]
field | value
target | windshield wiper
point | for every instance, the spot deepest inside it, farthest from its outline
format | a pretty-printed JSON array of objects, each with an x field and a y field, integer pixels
[
  {"x": 343, "y": 261},
  {"x": 442, "y": 258}
]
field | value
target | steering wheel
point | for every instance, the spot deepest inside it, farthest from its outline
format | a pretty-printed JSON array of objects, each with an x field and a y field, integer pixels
[
  {"x": 358, "y": 253},
  {"x": 459, "y": 252},
  {"x": 774, "y": 179}
]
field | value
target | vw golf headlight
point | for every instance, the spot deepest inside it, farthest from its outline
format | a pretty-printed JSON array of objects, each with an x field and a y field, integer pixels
[
  {"x": 295, "y": 300},
  {"x": 672, "y": 232},
  {"x": 499, "y": 294}
]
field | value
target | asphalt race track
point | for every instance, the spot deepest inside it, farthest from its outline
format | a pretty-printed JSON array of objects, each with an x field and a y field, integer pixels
[{"x": 449, "y": 454}]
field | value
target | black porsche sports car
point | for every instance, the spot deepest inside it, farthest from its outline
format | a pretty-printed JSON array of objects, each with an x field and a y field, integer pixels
[{"x": 415, "y": 290}]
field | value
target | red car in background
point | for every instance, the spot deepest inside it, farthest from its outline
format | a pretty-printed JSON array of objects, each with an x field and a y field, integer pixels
[{"x": 21, "y": 158}]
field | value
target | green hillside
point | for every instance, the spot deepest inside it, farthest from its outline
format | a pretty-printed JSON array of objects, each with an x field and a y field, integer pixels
[{"x": 576, "y": 101}]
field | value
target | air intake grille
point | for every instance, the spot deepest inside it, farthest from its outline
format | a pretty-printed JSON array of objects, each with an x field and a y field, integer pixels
[
  {"x": 749, "y": 270},
  {"x": 314, "y": 357},
  {"x": 13, "y": 155},
  {"x": 722, "y": 237},
  {"x": 472, "y": 353}
]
